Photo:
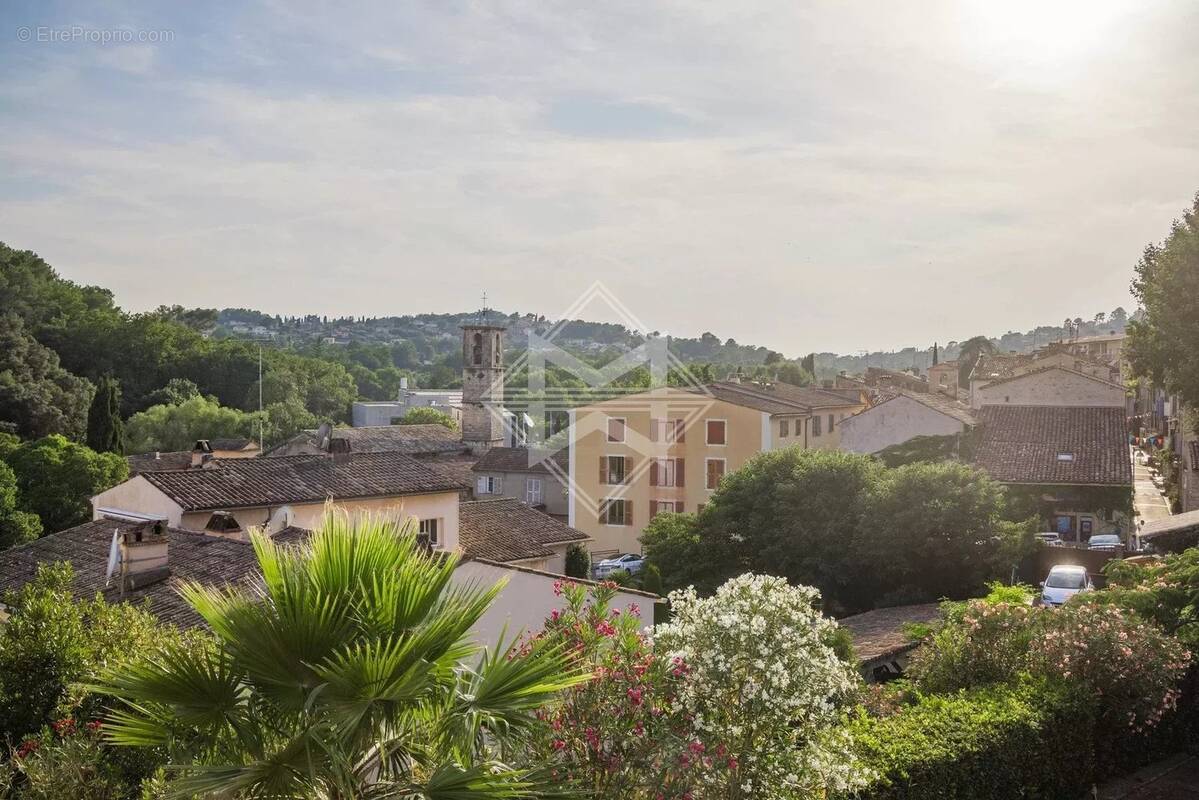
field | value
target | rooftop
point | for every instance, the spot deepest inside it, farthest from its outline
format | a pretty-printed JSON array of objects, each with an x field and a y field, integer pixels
[
  {"x": 1041, "y": 370},
  {"x": 253, "y": 482},
  {"x": 507, "y": 530},
  {"x": 878, "y": 634},
  {"x": 423, "y": 439},
  {"x": 782, "y": 398},
  {"x": 518, "y": 459},
  {"x": 147, "y": 462},
  {"x": 1063, "y": 445}
]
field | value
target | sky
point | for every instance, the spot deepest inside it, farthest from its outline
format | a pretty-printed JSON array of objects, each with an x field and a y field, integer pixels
[{"x": 830, "y": 176}]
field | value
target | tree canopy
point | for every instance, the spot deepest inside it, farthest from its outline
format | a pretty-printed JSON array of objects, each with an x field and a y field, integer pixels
[
  {"x": 105, "y": 429},
  {"x": 1162, "y": 344},
  {"x": 423, "y": 415},
  {"x": 36, "y": 394},
  {"x": 56, "y": 479}
]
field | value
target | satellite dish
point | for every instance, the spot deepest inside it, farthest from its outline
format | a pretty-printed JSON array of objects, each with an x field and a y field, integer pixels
[
  {"x": 324, "y": 435},
  {"x": 279, "y": 520}
]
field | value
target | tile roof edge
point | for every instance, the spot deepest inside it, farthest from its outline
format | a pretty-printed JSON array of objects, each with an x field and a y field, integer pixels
[{"x": 564, "y": 578}]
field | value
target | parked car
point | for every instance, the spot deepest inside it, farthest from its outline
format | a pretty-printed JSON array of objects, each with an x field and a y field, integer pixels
[
  {"x": 629, "y": 562},
  {"x": 1051, "y": 538},
  {"x": 1142, "y": 458},
  {"x": 1063, "y": 582},
  {"x": 1105, "y": 541}
]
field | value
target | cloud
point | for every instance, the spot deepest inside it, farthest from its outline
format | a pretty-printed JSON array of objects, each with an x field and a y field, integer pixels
[{"x": 804, "y": 177}]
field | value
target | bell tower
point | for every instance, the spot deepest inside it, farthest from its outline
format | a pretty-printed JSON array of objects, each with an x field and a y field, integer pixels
[{"x": 482, "y": 384}]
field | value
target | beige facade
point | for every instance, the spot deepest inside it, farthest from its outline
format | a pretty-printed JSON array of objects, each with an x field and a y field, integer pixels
[
  {"x": 530, "y": 488},
  {"x": 138, "y": 496},
  {"x": 895, "y": 421},
  {"x": 666, "y": 450},
  {"x": 1051, "y": 386}
]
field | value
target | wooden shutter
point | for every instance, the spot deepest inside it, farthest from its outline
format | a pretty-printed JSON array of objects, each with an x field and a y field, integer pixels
[
  {"x": 653, "y": 430},
  {"x": 603, "y": 470},
  {"x": 628, "y": 512},
  {"x": 678, "y": 506},
  {"x": 481, "y": 486},
  {"x": 628, "y": 468},
  {"x": 678, "y": 472},
  {"x": 603, "y": 512},
  {"x": 679, "y": 431},
  {"x": 653, "y": 472}
]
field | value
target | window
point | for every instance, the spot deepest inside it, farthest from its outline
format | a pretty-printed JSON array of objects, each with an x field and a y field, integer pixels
[
  {"x": 489, "y": 484},
  {"x": 666, "y": 472},
  {"x": 533, "y": 491},
  {"x": 1065, "y": 456},
  {"x": 616, "y": 426},
  {"x": 666, "y": 430},
  {"x": 476, "y": 350},
  {"x": 784, "y": 425},
  {"x": 830, "y": 423},
  {"x": 616, "y": 512},
  {"x": 666, "y": 507},
  {"x": 816, "y": 426},
  {"x": 428, "y": 527},
  {"x": 715, "y": 471},
  {"x": 716, "y": 431},
  {"x": 613, "y": 469}
]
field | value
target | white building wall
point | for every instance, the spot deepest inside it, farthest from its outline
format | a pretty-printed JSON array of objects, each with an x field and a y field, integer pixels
[
  {"x": 894, "y": 422},
  {"x": 527, "y": 599},
  {"x": 1053, "y": 387},
  {"x": 139, "y": 496}
]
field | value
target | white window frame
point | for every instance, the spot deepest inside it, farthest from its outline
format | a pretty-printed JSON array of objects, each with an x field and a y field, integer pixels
[
  {"x": 624, "y": 460},
  {"x": 432, "y": 527},
  {"x": 723, "y": 471},
  {"x": 663, "y": 469},
  {"x": 533, "y": 491},
  {"x": 724, "y": 422},
  {"x": 656, "y": 510},
  {"x": 624, "y": 430},
  {"x": 489, "y": 484},
  {"x": 606, "y": 505}
]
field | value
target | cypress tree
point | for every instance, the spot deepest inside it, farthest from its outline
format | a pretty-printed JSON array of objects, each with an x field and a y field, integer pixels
[{"x": 105, "y": 430}]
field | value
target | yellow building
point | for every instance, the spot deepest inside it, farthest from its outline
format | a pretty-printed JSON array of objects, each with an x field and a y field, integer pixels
[{"x": 666, "y": 449}]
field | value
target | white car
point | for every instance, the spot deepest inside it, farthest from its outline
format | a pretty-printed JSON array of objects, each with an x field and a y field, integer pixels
[
  {"x": 1063, "y": 582},
  {"x": 629, "y": 562},
  {"x": 1051, "y": 538},
  {"x": 1104, "y": 541}
]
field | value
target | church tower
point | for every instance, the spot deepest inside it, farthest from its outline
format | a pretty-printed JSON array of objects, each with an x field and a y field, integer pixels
[{"x": 482, "y": 385}]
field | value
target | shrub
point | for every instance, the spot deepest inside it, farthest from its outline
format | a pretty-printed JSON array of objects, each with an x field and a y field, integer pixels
[
  {"x": 578, "y": 562},
  {"x": 1166, "y": 592},
  {"x": 978, "y": 643},
  {"x": 1030, "y": 739},
  {"x": 68, "y": 759},
  {"x": 761, "y": 680},
  {"x": 621, "y": 734}
]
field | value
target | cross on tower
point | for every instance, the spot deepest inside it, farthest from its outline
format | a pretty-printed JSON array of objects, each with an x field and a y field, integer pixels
[{"x": 484, "y": 312}]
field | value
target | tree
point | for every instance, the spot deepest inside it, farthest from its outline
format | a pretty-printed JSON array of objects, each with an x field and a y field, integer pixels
[
  {"x": 672, "y": 545},
  {"x": 424, "y": 415},
  {"x": 105, "y": 430},
  {"x": 341, "y": 677},
  {"x": 52, "y": 643},
  {"x": 16, "y": 526},
  {"x": 578, "y": 562},
  {"x": 934, "y": 530},
  {"x": 792, "y": 373},
  {"x": 57, "y": 478},
  {"x": 1161, "y": 345},
  {"x": 177, "y": 427},
  {"x": 808, "y": 364},
  {"x": 36, "y": 393},
  {"x": 176, "y": 391},
  {"x": 969, "y": 353}
]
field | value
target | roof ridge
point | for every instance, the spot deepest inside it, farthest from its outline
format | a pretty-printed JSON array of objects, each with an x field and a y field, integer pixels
[{"x": 1046, "y": 368}]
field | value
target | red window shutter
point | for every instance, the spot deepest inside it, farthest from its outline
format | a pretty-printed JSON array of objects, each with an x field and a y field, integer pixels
[
  {"x": 603, "y": 512},
  {"x": 628, "y": 468},
  {"x": 628, "y": 512},
  {"x": 678, "y": 472},
  {"x": 603, "y": 470},
  {"x": 679, "y": 431},
  {"x": 678, "y": 506},
  {"x": 653, "y": 472}
]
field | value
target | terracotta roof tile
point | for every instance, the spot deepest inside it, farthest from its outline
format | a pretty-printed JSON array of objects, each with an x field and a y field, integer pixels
[
  {"x": 251, "y": 482},
  {"x": 155, "y": 462},
  {"x": 507, "y": 530},
  {"x": 879, "y": 633},
  {"x": 423, "y": 439},
  {"x": 518, "y": 459},
  {"x": 1023, "y": 444}
]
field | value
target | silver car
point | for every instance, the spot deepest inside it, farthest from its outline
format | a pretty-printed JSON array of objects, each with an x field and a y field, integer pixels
[
  {"x": 629, "y": 562},
  {"x": 1063, "y": 582}
]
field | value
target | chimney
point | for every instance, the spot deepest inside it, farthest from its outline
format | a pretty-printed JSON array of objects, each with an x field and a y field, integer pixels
[
  {"x": 339, "y": 449},
  {"x": 403, "y": 383},
  {"x": 145, "y": 557},
  {"x": 199, "y": 452}
]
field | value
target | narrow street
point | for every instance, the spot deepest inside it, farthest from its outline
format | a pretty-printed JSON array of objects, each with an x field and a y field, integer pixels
[
  {"x": 1149, "y": 502},
  {"x": 1175, "y": 778}
]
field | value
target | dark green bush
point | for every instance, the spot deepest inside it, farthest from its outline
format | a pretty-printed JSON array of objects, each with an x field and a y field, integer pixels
[
  {"x": 578, "y": 562},
  {"x": 1025, "y": 740}
]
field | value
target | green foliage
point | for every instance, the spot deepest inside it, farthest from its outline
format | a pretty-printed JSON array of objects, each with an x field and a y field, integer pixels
[
  {"x": 578, "y": 562},
  {"x": 342, "y": 679},
  {"x": 1161, "y": 344},
  {"x": 16, "y": 526},
  {"x": 1030, "y": 739},
  {"x": 67, "y": 760},
  {"x": 177, "y": 427},
  {"x": 176, "y": 391},
  {"x": 105, "y": 430},
  {"x": 953, "y": 447},
  {"x": 56, "y": 479},
  {"x": 979, "y": 643},
  {"x": 969, "y": 353},
  {"x": 651, "y": 579},
  {"x": 36, "y": 393},
  {"x": 861, "y": 533},
  {"x": 423, "y": 415},
  {"x": 51, "y": 643},
  {"x": 1166, "y": 592}
]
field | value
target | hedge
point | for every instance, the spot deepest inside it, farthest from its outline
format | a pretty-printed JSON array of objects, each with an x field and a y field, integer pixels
[{"x": 1028, "y": 740}]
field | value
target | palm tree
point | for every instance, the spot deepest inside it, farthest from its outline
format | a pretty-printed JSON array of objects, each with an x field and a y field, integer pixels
[
  {"x": 342, "y": 675},
  {"x": 969, "y": 353}
]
